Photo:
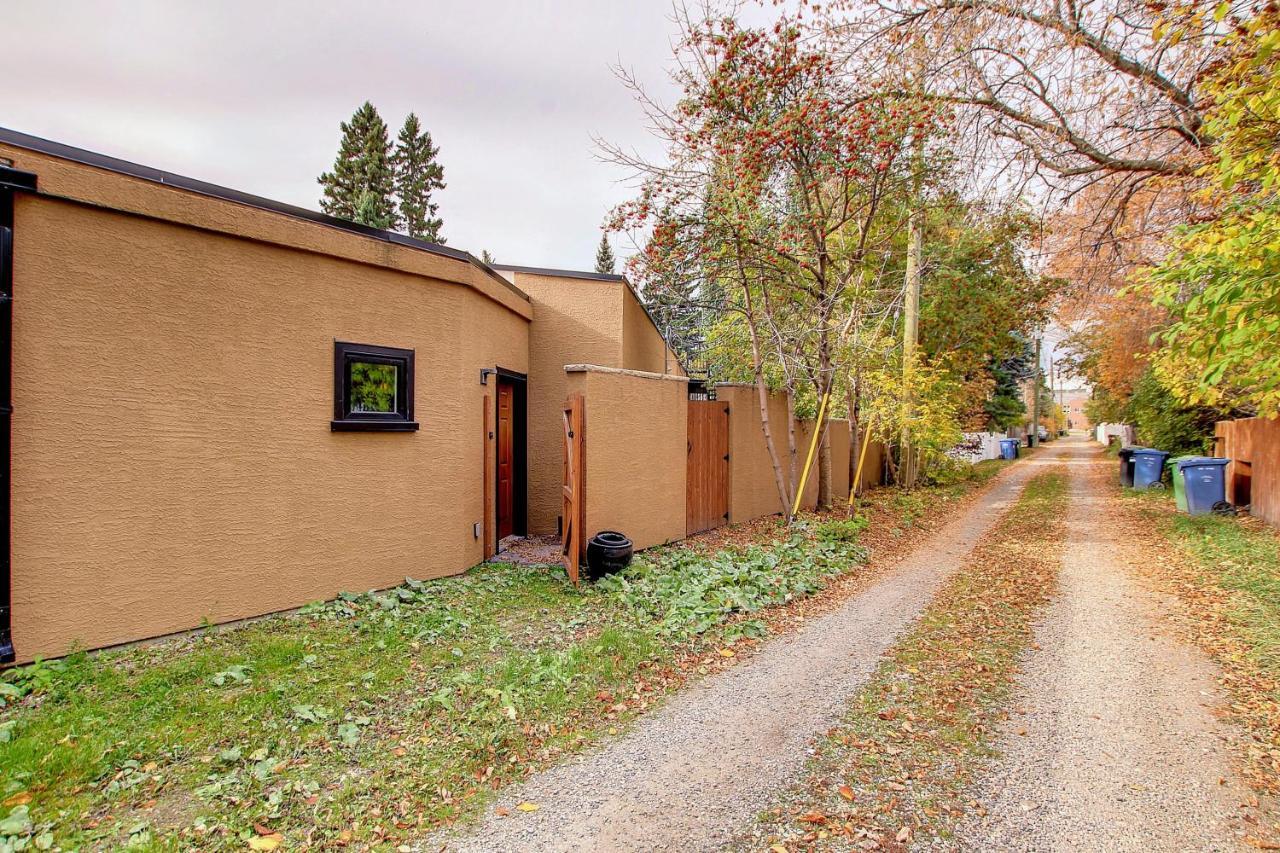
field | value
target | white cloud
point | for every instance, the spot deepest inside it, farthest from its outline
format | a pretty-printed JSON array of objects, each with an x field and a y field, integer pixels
[{"x": 249, "y": 95}]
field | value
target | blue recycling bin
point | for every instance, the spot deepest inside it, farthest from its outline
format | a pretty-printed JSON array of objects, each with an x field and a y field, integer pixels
[
  {"x": 1148, "y": 468},
  {"x": 1205, "y": 480},
  {"x": 1009, "y": 448}
]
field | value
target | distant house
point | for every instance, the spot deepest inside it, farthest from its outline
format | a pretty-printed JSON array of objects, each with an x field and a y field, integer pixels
[
  {"x": 1073, "y": 403},
  {"x": 218, "y": 406}
]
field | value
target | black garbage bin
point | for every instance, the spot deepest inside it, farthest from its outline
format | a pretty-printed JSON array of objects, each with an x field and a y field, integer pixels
[{"x": 1126, "y": 465}]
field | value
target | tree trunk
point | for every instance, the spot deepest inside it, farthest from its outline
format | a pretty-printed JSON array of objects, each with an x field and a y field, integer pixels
[
  {"x": 824, "y": 466},
  {"x": 757, "y": 366},
  {"x": 784, "y": 493},
  {"x": 856, "y": 438},
  {"x": 791, "y": 450}
]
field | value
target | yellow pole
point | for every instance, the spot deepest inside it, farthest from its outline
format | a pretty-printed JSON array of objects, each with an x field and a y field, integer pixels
[
  {"x": 808, "y": 463},
  {"x": 862, "y": 457}
]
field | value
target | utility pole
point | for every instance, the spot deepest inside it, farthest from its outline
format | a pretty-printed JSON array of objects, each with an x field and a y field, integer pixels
[
  {"x": 911, "y": 302},
  {"x": 911, "y": 333},
  {"x": 1034, "y": 440},
  {"x": 1051, "y": 397}
]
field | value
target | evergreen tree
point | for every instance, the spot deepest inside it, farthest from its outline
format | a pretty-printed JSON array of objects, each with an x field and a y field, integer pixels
[
  {"x": 361, "y": 184},
  {"x": 487, "y": 258},
  {"x": 604, "y": 256},
  {"x": 417, "y": 175}
]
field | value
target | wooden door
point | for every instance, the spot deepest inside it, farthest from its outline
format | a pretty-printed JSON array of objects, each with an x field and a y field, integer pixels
[
  {"x": 506, "y": 460},
  {"x": 707, "y": 477},
  {"x": 573, "y": 488}
]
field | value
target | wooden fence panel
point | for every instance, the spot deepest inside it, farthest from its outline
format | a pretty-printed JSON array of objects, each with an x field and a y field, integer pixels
[
  {"x": 574, "y": 451},
  {"x": 707, "y": 476}
]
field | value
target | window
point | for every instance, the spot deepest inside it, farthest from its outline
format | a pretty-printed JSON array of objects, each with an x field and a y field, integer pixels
[{"x": 372, "y": 388}]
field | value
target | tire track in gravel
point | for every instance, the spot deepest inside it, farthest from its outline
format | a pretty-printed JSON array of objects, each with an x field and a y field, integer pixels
[
  {"x": 1118, "y": 748},
  {"x": 686, "y": 776}
]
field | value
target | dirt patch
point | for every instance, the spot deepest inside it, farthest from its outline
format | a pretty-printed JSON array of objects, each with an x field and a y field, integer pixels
[{"x": 529, "y": 551}]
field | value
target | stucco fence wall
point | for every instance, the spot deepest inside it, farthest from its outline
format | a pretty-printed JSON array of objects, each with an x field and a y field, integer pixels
[
  {"x": 1253, "y": 446},
  {"x": 636, "y": 453},
  {"x": 635, "y": 429}
]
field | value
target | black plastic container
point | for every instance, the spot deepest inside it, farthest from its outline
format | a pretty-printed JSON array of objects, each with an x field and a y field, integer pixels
[{"x": 607, "y": 552}]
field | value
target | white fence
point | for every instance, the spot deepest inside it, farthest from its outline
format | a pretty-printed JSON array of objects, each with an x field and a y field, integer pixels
[
  {"x": 974, "y": 447},
  {"x": 1105, "y": 432}
]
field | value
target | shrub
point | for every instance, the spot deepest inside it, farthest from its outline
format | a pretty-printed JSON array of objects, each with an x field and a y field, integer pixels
[
  {"x": 842, "y": 529},
  {"x": 685, "y": 593}
]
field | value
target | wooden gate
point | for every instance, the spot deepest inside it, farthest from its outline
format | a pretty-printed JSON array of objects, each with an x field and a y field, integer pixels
[
  {"x": 707, "y": 477},
  {"x": 572, "y": 519}
]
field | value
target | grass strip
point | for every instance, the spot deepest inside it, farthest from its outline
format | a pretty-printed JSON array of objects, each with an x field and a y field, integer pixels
[
  {"x": 1225, "y": 573},
  {"x": 368, "y": 720},
  {"x": 893, "y": 771}
]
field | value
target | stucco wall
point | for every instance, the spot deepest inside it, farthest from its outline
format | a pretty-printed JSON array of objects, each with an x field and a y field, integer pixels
[
  {"x": 643, "y": 347},
  {"x": 576, "y": 321},
  {"x": 838, "y": 430},
  {"x": 172, "y": 455},
  {"x": 635, "y": 429},
  {"x": 752, "y": 489}
]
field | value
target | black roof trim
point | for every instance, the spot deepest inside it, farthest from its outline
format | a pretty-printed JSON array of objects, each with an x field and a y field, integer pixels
[
  {"x": 594, "y": 276},
  {"x": 14, "y": 179},
  {"x": 147, "y": 173}
]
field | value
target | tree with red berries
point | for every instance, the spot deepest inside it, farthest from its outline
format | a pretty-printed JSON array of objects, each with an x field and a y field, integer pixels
[{"x": 784, "y": 188}]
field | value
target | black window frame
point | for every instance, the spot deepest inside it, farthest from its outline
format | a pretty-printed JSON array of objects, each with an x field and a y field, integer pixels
[{"x": 344, "y": 420}]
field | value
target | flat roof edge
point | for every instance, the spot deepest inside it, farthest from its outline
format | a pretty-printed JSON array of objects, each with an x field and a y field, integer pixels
[
  {"x": 170, "y": 179},
  {"x": 583, "y": 274}
]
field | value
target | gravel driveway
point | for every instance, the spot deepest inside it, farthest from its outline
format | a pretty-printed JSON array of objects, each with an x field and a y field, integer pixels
[
  {"x": 690, "y": 774},
  {"x": 1118, "y": 748}
]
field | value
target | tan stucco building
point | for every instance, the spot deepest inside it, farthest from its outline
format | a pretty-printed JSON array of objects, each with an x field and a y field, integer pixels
[{"x": 217, "y": 406}]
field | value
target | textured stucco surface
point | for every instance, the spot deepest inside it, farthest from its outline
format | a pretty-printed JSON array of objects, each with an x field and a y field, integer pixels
[
  {"x": 752, "y": 488},
  {"x": 172, "y": 456},
  {"x": 577, "y": 320},
  {"x": 643, "y": 347},
  {"x": 636, "y": 433}
]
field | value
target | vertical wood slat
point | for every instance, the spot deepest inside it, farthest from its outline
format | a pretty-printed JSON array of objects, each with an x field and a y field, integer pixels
[
  {"x": 707, "y": 473},
  {"x": 573, "y": 488}
]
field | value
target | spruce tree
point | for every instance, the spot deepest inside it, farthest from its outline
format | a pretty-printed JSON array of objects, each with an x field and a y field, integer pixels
[
  {"x": 417, "y": 175},
  {"x": 361, "y": 184},
  {"x": 604, "y": 256}
]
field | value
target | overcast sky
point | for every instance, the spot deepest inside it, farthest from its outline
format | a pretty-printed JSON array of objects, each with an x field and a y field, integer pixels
[{"x": 249, "y": 95}]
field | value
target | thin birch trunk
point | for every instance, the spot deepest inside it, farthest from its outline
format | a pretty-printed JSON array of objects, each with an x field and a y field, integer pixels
[
  {"x": 791, "y": 448},
  {"x": 762, "y": 391}
]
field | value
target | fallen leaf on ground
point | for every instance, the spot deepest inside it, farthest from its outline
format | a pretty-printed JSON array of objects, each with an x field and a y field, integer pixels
[
  {"x": 19, "y": 799},
  {"x": 528, "y": 807},
  {"x": 266, "y": 842},
  {"x": 846, "y": 792}
]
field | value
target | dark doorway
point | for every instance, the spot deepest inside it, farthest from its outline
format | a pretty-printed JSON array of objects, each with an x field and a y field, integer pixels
[
  {"x": 11, "y": 181},
  {"x": 511, "y": 492}
]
